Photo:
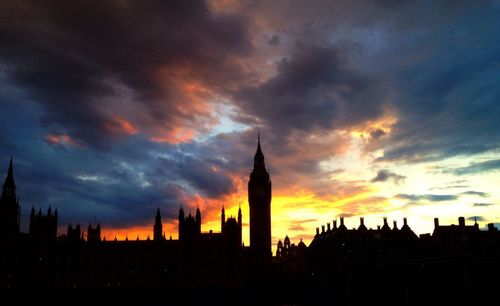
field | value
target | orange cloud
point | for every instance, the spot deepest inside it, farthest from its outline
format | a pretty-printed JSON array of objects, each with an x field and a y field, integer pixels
[
  {"x": 119, "y": 125},
  {"x": 190, "y": 102},
  {"x": 62, "y": 139},
  {"x": 175, "y": 136}
]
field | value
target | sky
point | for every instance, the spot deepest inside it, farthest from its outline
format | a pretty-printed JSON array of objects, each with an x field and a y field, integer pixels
[{"x": 371, "y": 109}]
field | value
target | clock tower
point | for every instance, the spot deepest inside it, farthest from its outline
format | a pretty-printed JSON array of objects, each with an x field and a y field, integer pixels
[{"x": 259, "y": 199}]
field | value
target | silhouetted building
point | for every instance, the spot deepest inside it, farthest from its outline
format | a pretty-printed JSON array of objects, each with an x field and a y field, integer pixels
[
  {"x": 355, "y": 266},
  {"x": 94, "y": 233},
  {"x": 158, "y": 227},
  {"x": 42, "y": 226},
  {"x": 231, "y": 229},
  {"x": 455, "y": 232},
  {"x": 259, "y": 199},
  {"x": 189, "y": 227},
  {"x": 291, "y": 259},
  {"x": 74, "y": 234},
  {"x": 9, "y": 206},
  {"x": 338, "y": 242}
]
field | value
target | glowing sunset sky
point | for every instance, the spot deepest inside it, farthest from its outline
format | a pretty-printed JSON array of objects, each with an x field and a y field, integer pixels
[{"x": 366, "y": 108}]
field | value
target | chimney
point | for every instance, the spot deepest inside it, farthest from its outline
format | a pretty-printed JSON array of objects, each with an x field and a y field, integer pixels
[
  {"x": 322, "y": 229},
  {"x": 491, "y": 227},
  {"x": 328, "y": 226},
  {"x": 341, "y": 221},
  {"x": 436, "y": 222},
  {"x": 334, "y": 224},
  {"x": 461, "y": 221},
  {"x": 361, "y": 221},
  {"x": 385, "y": 220},
  {"x": 405, "y": 222},
  {"x": 317, "y": 231},
  {"x": 395, "y": 223}
]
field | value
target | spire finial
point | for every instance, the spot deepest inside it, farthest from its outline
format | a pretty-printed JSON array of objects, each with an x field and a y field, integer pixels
[
  {"x": 259, "y": 157},
  {"x": 10, "y": 173}
]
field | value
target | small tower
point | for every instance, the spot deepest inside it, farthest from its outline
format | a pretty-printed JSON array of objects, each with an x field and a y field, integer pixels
[
  {"x": 158, "y": 227},
  {"x": 362, "y": 226},
  {"x": 286, "y": 247},
  {"x": 43, "y": 227},
  {"x": 94, "y": 234},
  {"x": 181, "y": 223},
  {"x": 9, "y": 205},
  {"x": 279, "y": 249},
  {"x": 73, "y": 234},
  {"x": 222, "y": 219},
  {"x": 198, "y": 219},
  {"x": 239, "y": 216}
]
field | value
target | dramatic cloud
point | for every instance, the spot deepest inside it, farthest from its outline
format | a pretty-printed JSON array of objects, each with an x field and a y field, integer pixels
[
  {"x": 385, "y": 175},
  {"x": 336, "y": 97},
  {"x": 100, "y": 70},
  {"x": 113, "y": 109}
]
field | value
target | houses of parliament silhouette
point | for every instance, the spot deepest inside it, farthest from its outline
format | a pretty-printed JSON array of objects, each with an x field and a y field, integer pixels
[{"x": 351, "y": 266}]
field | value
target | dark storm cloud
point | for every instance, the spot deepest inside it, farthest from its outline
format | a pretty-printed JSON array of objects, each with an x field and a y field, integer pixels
[
  {"x": 313, "y": 89},
  {"x": 202, "y": 175},
  {"x": 118, "y": 193},
  {"x": 445, "y": 72},
  {"x": 85, "y": 62},
  {"x": 120, "y": 187},
  {"x": 385, "y": 175}
]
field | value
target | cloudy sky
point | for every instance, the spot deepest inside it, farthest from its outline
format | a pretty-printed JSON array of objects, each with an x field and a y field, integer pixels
[{"x": 366, "y": 108}]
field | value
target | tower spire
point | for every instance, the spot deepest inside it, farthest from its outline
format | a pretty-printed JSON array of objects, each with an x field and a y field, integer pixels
[
  {"x": 239, "y": 216},
  {"x": 259, "y": 156},
  {"x": 10, "y": 174},
  {"x": 158, "y": 226},
  {"x": 11, "y": 170},
  {"x": 9, "y": 186},
  {"x": 259, "y": 200}
]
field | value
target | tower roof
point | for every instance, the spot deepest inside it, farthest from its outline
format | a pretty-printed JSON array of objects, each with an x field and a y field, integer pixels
[
  {"x": 9, "y": 181},
  {"x": 259, "y": 167},
  {"x": 259, "y": 156}
]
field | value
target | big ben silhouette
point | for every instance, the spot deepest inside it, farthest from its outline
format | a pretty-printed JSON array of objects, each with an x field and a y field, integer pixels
[{"x": 259, "y": 199}]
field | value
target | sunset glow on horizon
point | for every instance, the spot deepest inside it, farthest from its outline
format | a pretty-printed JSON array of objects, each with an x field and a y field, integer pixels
[{"x": 364, "y": 109}]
